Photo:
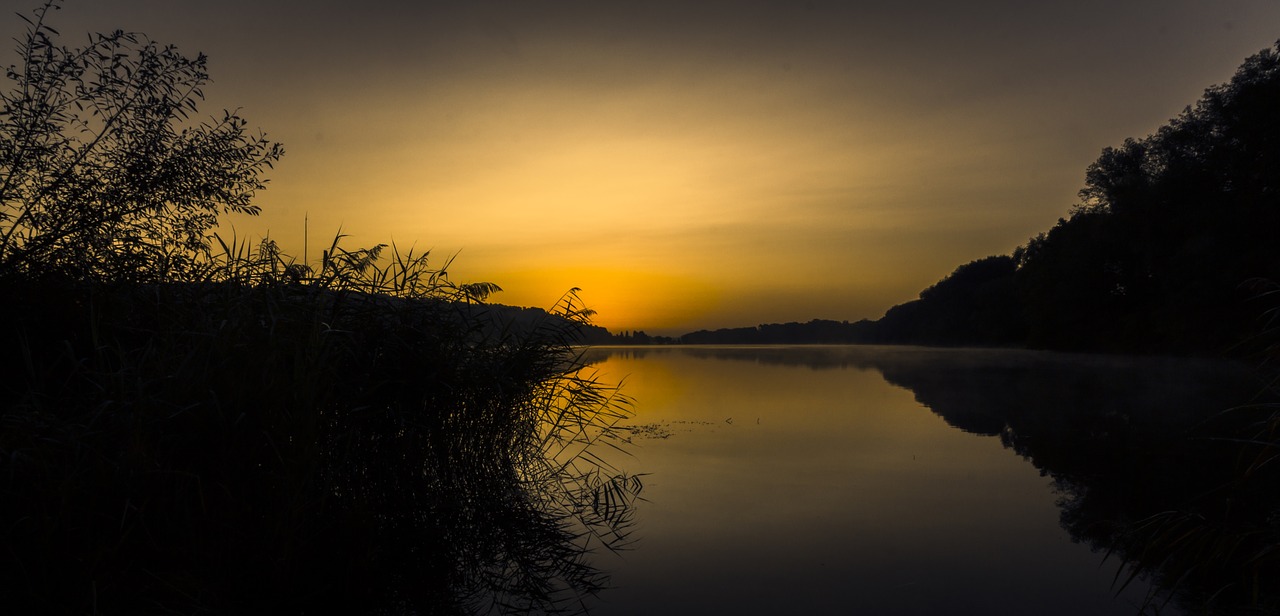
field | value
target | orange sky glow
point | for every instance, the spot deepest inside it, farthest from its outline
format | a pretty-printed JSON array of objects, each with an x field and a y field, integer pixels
[{"x": 691, "y": 164}]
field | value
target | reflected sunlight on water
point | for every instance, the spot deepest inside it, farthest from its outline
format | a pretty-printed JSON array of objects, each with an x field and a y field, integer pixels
[{"x": 780, "y": 481}]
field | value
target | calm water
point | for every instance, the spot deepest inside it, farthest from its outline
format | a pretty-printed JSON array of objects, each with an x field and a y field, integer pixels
[{"x": 887, "y": 480}]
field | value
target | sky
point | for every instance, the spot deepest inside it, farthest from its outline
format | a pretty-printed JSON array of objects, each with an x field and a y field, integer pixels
[{"x": 688, "y": 164}]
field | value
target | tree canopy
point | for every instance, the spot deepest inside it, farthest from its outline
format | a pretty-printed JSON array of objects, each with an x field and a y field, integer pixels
[
  {"x": 1170, "y": 228},
  {"x": 1162, "y": 253},
  {"x": 105, "y": 172}
]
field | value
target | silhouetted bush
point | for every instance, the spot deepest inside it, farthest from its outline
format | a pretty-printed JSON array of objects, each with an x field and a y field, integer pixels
[
  {"x": 194, "y": 426},
  {"x": 107, "y": 175}
]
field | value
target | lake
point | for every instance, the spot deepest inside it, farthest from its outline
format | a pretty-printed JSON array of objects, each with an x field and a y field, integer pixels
[{"x": 894, "y": 480}]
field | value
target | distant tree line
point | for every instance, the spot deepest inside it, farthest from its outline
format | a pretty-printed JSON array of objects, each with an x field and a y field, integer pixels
[
  {"x": 594, "y": 334},
  {"x": 817, "y": 331},
  {"x": 1175, "y": 239}
]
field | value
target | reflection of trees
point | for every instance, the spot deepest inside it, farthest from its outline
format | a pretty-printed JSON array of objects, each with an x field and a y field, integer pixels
[
  {"x": 483, "y": 536},
  {"x": 399, "y": 460},
  {"x": 522, "y": 551},
  {"x": 1138, "y": 449},
  {"x": 1131, "y": 446}
]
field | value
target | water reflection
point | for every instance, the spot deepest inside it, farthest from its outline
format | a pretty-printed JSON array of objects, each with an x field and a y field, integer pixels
[{"x": 1123, "y": 440}]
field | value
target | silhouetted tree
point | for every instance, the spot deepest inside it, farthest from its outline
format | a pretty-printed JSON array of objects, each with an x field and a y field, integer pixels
[
  {"x": 1168, "y": 228},
  {"x": 1154, "y": 256},
  {"x": 103, "y": 172},
  {"x": 975, "y": 305},
  {"x": 1072, "y": 288}
]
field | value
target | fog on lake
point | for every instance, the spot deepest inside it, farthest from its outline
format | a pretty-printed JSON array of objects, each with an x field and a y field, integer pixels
[{"x": 897, "y": 480}]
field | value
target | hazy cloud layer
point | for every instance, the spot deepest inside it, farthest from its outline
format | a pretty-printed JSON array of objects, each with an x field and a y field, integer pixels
[{"x": 694, "y": 164}]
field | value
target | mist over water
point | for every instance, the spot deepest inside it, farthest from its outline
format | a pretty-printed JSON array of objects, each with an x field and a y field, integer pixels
[{"x": 897, "y": 480}]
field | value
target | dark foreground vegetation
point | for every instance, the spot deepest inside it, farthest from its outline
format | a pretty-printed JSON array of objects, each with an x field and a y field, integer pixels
[
  {"x": 252, "y": 445},
  {"x": 189, "y": 425},
  {"x": 1172, "y": 241}
]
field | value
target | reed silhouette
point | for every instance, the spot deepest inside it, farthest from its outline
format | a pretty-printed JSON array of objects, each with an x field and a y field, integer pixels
[{"x": 197, "y": 424}]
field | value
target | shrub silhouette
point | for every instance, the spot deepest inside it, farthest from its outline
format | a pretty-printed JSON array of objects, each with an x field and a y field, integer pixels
[
  {"x": 106, "y": 173},
  {"x": 195, "y": 424}
]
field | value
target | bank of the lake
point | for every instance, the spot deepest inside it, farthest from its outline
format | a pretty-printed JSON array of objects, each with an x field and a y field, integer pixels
[{"x": 260, "y": 444}]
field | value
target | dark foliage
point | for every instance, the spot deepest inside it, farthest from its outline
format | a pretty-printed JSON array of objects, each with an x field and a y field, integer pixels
[
  {"x": 104, "y": 171},
  {"x": 816, "y": 331},
  {"x": 1155, "y": 258},
  {"x": 525, "y": 318},
  {"x": 281, "y": 448},
  {"x": 191, "y": 426},
  {"x": 976, "y": 305}
]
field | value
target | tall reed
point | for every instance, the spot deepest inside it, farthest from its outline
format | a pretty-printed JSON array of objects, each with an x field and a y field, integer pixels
[
  {"x": 1218, "y": 552},
  {"x": 364, "y": 435}
]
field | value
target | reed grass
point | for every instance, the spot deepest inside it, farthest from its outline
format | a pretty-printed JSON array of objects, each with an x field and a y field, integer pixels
[
  {"x": 1219, "y": 551},
  {"x": 362, "y": 436}
]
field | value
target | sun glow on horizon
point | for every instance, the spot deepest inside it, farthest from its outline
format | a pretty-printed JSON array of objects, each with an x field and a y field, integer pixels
[
  {"x": 622, "y": 299},
  {"x": 696, "y": 166}
]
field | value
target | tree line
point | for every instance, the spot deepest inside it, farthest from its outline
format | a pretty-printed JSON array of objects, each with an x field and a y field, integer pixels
[
  {"x": 1172, "y": 248},
  {"x": 1173, "y": 236}
]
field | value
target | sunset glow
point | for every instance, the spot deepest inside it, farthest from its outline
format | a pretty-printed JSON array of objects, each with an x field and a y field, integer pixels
[{"x": 692, "y": 165}]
